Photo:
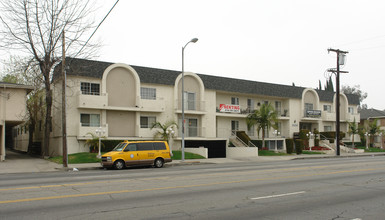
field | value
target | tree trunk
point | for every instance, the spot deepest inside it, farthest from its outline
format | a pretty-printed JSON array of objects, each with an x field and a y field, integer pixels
[
  {"x": 30, "y": 136},
  {"x": 48, "y": 121},
  {"x": 263, "y": 138}
]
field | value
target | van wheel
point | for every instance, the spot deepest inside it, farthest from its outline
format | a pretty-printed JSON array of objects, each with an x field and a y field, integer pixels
[
  {"x": 158, "y": 163},
  {"x": 119, "y": 164}
]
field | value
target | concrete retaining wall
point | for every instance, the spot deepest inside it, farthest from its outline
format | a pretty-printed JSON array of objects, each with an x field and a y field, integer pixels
[{"x": 234, "y": 152}]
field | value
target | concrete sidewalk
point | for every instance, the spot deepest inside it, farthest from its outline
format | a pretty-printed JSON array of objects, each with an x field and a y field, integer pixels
[{"x": 17, "y": 162}]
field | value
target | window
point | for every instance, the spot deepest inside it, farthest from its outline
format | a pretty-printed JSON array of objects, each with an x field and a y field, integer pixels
[
  {"x": 144, "y": 146},
  {"x": 250, "y": 105},
  {"x": 189, "y": 100},
  {"x": 308, "y": 106},
  {"x": 130, "y": 147},
  {"x": 90, "y": 88},
  {"x": 327, "y": 128},
  {"x": 234, "y": 126},
  {"x": 192, "y": 127},
  {"x": 147, "y": 121},
  {"x": 148, "y": 93},
  {"x": 328, "y": 108},
  {"x": 278, "y": 107},
  {"x": 234, "y": 100},
  {"x": 90, "y": 120},
  {"x": 159, "y": 146},
  {"x": 351, "y": 110},
  {"x": 250, "y": 131}
]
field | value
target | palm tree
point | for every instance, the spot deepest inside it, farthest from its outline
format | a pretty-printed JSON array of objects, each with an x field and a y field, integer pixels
[
  {"x": 93, "y": 143},
  {"x": 353, "y": 129},
  {"x": 162, "y": 129},
  {"x": 373, "y": 129},
  {"x": 265, "y": 117}
]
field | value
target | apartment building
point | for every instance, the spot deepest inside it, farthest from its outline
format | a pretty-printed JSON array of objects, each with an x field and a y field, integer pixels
[
  {"x": 124, "y": 100},
  {"x": 12, "y": 112},
  {"x": 367, "y": 116}
]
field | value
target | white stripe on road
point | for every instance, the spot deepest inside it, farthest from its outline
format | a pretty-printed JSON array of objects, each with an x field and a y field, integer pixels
[{"x": 280, "y": 195}]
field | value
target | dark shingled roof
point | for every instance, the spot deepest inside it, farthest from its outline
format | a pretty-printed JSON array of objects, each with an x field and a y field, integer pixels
[
  {"x": 371, "y": 113},
  {"x": 95, "y": 69}
]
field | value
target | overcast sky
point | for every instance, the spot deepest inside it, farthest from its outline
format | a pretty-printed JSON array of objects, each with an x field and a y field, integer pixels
[{"x": 275, "y": 41}]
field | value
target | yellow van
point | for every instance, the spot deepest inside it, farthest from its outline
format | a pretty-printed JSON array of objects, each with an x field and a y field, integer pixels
[{"x": 130, "y": 153}]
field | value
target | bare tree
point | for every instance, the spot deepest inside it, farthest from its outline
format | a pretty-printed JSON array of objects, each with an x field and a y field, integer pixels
[{"x": 34, "y": 27}]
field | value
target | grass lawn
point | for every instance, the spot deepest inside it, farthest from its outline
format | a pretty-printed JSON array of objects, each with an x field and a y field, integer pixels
[
  {"x": 86, "y": 157},
  {"x": 178, "y": 155},
  {"x": 312, "y": 152}
]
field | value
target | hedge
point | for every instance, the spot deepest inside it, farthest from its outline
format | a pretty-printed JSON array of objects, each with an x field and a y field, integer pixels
[
  {"x": 289, "y": 146},
  {"x": 298, "y": 146}
]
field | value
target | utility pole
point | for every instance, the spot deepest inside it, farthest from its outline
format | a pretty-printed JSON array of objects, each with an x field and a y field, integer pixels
[
  {"x": 340, "y": 61},
  {"x": 64, "y": 118}
]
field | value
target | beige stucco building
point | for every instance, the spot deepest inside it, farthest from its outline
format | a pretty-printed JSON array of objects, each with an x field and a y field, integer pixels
[
  {"x": 12, "y": 112},
  {"x": 125, "y": 100},
  {"x": 367, "y": 116}
]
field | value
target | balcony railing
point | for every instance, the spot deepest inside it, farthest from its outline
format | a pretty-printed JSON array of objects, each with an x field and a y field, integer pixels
[
  {"x": 312, "y": 113},
  {"x": 92, "y": 101},
  {"x": 153, "y": 105},
  {"x": 191, "y": 132},
  {"x": 84, "y": 131},
  {"x": 191, "y": 105}
]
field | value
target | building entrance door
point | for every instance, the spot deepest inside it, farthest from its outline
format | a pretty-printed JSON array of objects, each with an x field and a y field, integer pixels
[{"x": 305, "y": 126}]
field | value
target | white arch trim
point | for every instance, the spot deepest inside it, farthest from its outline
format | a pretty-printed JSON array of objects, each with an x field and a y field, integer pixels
[
  {"x": 122, "y": 65},
  {"x": 312, "y": 91},
  {"x": 201, "y": 85}
]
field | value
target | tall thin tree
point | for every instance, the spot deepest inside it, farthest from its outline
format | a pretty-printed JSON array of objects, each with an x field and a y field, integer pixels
[
  {"x": 265, "y": 117},
  {"x": 34, "y": 27}
]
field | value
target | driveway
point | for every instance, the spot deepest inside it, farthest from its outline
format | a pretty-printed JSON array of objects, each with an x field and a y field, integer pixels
[{"x": 16, "y": 162}]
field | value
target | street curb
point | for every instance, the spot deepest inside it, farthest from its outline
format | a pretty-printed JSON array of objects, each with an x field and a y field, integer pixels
[{"x": 341, "y": 156}]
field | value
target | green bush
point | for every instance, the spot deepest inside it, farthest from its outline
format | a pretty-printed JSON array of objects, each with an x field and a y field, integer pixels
[
  {"x": 289, "y": 146},
  {"x": 258, "y": 143},
  {"x": 298, "y": 146}
]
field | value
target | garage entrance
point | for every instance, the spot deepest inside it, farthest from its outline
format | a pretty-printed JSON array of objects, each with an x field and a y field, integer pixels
[{"x": 216, "y": 149}]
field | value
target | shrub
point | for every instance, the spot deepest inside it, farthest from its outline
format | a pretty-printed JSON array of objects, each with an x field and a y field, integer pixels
[
  {"x": 298, "y": 146},
  {"x": 289, "y": 146},
  {"x": 258, "y": 143}
]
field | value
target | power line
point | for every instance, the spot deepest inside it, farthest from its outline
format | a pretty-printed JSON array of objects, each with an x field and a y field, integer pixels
[{"x": 97, "y": 28}]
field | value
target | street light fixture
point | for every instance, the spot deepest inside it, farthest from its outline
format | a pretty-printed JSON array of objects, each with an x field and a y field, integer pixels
[
  {"x": 276, "y": 133},
  {"x": 367, "y": 136},
  {"x": 310, "y": 136},
  {"x": 170, "y": 133},
  {"x": 194, "y": 40}
]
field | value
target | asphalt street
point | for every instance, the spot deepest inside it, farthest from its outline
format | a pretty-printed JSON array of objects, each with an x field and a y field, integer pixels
[{"x": 327, "y": 188}]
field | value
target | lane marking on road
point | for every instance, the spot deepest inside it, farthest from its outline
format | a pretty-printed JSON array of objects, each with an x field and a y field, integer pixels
[
  {"x": 161, "y": 178},
  {"x": 279, "y": 195},
  {"x": 181, "y": 186}
]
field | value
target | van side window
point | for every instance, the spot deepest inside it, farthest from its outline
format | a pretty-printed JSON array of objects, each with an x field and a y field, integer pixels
[
  {"x": 159, "y": 146},
  {"x": 145, "y": 146},
  {"x": 130, "y": 147}
]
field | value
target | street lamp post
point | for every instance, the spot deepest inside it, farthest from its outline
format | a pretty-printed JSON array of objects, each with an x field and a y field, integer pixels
[
  {"x": 367, "y": 136},
  {"x": 310, "y": 136},
  {"x": 170, "y": 132},
  {"x": 194, "y": 40},
  {"x": 276, "y": 133},
  {"x": 100, "y": 131}
]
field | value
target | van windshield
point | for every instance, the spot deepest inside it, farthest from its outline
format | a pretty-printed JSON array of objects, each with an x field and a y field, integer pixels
[{"x": 119, "y": 147}]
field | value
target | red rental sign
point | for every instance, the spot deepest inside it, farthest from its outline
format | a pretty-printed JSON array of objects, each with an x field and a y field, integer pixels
[{"x": 229, "y": 108}]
